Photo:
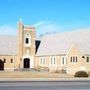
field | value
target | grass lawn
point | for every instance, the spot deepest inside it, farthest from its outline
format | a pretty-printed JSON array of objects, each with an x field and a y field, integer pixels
[{"x": 32, "y": 74}]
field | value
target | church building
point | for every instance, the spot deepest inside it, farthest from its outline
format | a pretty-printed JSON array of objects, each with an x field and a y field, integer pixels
[{"x": 66, "y": 51}]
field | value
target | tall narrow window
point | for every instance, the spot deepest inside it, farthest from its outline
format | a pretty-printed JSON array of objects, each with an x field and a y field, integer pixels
[
  {"x": 11, "y": 60},
  {"x": 42, "y": 61},
  {"x": 27, "y": 40},
  {"x": 71, "y": 59},
  {"x": 76, "y": 59},
  {"x": 87, "y": 59},
  {"x": 63, "y": 60},
  {"x": 53, "y": 61}
]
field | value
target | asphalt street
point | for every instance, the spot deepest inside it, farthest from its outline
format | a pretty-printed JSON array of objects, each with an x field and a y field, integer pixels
[{"x": 44, "y": 85}]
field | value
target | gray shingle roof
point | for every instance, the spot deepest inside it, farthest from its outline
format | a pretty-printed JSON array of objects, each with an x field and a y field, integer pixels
[
  {"x": 60, "y": 43},
  {"x": 8, "y": 45}
]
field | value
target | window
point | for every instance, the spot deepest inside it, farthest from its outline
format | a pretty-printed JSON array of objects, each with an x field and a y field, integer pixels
[
  {"x": 27, "y": 40},
  {"x": 83, "y": 56},
  {"x": 87, "y": 59},
  {"x": 63, "y": 60},
  {"x": 71, "y": 59},
  {"x": 74, "y": 59},
  {"x": 4, "y": 60},
  {"x": 53, "y": 61},
  {"x": 11, "y": 60},
  {"x": 42, "y": 61}
]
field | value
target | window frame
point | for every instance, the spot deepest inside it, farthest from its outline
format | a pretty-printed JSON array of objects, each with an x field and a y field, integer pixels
[
  {"x": 63, "y": 60},
  {"x": 42, "y": 61},
  {"x": 27, "y": 36},
  {"x": 74, "y": 59},
  {"x": 52, "y": 60}
]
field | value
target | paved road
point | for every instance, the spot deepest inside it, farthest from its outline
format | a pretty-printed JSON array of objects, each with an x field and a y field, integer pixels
[{"x": 27, "y": 85}]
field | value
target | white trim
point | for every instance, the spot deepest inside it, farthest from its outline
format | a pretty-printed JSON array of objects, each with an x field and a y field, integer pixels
[
  {"x": 27, "y": 35},
  {"x": 31, "y": 60},
  {"x": 52, "y": 61},
  {"x": 74, "y": 60},
  {"x": 42, "y": 59}
]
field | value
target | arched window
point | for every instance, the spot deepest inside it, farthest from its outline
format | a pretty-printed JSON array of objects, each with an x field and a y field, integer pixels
[{"x": 27, "y": 39}]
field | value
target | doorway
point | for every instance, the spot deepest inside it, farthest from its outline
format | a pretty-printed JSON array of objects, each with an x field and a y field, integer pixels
[
  {"x": 1, "y": 65},
  {"x": 26, "y": 63}
]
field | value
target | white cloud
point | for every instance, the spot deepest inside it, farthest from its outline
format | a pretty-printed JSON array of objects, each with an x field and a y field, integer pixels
[
  {"x": 43, "y": 27},
  {"x": 7, "y": 30}
]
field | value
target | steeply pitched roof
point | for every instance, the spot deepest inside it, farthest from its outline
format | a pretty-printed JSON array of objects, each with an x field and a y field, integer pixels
[
  {"x": 8, "y": 45},
  {"x": 60, "y": 43}
]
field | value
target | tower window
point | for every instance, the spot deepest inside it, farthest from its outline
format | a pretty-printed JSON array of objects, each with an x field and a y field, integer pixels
[{"x": 27, "y": 40}]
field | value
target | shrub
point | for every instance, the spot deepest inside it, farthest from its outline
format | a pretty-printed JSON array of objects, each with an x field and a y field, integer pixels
[
  {"x": 63, "y": 71},
  {"x": 81, "y": 74},
  {"x": 88, "y": 73},
  {"x": 41, "y": 68},
  {"x": 57, "y": 71}
]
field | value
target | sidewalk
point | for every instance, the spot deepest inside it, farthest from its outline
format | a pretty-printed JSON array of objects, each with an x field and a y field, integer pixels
[{"x": 44, "y": 79}]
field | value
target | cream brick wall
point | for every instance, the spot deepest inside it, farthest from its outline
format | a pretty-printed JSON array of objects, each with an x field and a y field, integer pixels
[
  {"x": 8, "y": 66},
  {"x": 71, "y": 67},
  {"x": 52, "y": 67}
]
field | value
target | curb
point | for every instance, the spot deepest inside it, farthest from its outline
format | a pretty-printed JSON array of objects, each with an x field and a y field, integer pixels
[{"x": 44, "y": 79}]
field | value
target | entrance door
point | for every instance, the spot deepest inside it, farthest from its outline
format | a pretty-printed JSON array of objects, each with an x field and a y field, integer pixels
[
  {"x": 26, "y": 63},
  {"x": 1, "y": 65}
]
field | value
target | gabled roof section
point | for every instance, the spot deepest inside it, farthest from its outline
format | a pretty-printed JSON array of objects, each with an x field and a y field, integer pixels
[
  {"x": 60, "y": 43},
  {"x": 8, "y": 45}
]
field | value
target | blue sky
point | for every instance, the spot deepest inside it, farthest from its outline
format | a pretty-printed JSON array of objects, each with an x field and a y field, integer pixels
[{"x": 45, "y": 15}]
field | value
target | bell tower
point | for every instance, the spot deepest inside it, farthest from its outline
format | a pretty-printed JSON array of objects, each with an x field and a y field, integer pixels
[{"x": 26, "y": 45}]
